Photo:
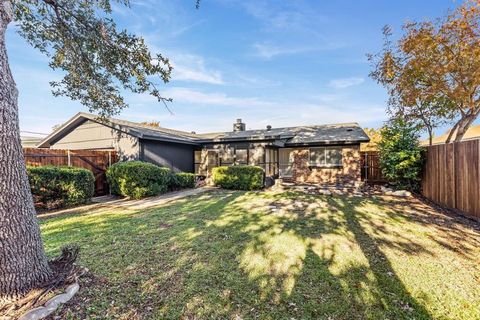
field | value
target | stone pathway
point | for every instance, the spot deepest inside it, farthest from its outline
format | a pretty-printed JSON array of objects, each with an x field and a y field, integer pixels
[{"x": 106, "y": 202}]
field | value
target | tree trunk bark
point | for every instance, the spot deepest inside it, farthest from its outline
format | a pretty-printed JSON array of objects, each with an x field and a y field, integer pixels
[
  {"x": 430, "y": 136},
  {"x": 463, "y": 126},
  {"x": 23, "y": 263},
  {"x": 452, "y": 131}
]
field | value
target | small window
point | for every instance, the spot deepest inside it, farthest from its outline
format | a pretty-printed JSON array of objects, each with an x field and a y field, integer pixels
[
  {"x": 326, "y": 157},
  {"x": 198, "y": 156},
  {"x": 241, "y": 156}
]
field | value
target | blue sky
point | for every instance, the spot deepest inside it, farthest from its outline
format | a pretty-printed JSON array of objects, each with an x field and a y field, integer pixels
[{"x": 282, "y": 63}]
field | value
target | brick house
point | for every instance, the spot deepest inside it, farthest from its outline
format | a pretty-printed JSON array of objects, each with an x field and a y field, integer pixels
[{"x": 322, "y": 154}]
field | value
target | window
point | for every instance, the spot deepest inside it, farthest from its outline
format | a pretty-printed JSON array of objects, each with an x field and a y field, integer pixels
[
  {"x": 326, "y": 157},
  {"x": 256, "y": 156},
  {"x": 227, "y": 156},
  {"x": 241, "y": 156},
  {"x": 198, "y": 161}
]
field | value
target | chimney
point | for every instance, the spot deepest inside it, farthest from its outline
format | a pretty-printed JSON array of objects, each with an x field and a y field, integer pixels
[
  {"x": 238, "y": 126},
  {"x": 269, "y": 127}
]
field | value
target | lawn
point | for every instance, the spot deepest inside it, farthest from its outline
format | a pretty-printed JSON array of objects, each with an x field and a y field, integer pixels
[{"x": 232, "y": 255}]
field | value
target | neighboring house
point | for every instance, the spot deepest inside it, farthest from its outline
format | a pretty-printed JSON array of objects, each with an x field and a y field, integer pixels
[
  {"x": 314, "y": 154},
  {"x": 30, "y": 141},
  {"x": 472, "y": 133}
]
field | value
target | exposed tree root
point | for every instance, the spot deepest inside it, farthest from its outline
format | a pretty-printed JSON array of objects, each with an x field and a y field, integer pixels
[{"x": 65, "y": 273}]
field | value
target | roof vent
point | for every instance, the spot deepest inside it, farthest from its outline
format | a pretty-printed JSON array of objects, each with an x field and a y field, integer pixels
[
  {"x": 269, "y": 127},
  {"x": 349, "y": 129},
  {"x": 238, "y": 126},
  {"x": 193, "y": 132}
]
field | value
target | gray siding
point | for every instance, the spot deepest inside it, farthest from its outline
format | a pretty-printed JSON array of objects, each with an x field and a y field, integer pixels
[
  {"x": 178, "y": 157},
  {"x": 93, "y": 135}
]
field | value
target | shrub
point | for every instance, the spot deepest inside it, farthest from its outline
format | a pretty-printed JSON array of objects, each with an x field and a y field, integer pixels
[
  {"x": 182, "y": 180},
  {"x": 137, "y": 179},
  {"x": 401, "y": 158},
  {"x": 238, "y": 177},
  {"x": 55, "y": 187}
]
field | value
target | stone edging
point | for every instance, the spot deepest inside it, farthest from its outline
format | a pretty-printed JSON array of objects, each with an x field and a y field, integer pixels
[{"x": 52, "y": 304}]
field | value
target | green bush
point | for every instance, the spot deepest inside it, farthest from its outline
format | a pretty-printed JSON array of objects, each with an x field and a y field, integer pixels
[
  {"x": 401, "y": 157},
  {"x": 182, "y": 180},
  {"x": 55, "y": 187},
  {"x": 238, "y": 177},
  {"x": 137, "y": 179}
]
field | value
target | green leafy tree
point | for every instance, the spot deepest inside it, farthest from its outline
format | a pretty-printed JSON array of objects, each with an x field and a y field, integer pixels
[
  {"x": 401, "y": 155},
  {"x": 98, "y": 61}
]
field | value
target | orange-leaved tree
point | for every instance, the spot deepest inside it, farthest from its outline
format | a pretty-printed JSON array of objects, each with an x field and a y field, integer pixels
[{"x": 432, "y": 72}]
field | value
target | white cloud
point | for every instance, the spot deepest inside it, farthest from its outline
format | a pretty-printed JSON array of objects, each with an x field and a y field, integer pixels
[
  {"x": 345, "y": 82},
  {"x": 188, "y": 95},
  {"x": 188, "y": 67},
  {"x": 266, "y": 51}
]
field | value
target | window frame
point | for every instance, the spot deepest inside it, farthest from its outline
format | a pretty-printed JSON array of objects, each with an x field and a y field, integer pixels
[
  {"x": 246, "y": 159},
  {"x": 312, "y": 163}
]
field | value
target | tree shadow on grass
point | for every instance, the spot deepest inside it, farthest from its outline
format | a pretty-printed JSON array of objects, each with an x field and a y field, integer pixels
[
  {"x": 226, "y": 255},
  {"x": 389, "y": 293}
]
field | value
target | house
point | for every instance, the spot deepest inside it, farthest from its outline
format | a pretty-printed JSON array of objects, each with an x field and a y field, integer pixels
[
  {"x": 304, "y": 154},
  {"x": 30, "y": 141},
  {"x": 472, "y": 133}
]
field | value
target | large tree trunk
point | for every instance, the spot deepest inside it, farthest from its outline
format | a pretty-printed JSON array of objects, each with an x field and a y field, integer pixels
[{"x": 23, "y": 264}]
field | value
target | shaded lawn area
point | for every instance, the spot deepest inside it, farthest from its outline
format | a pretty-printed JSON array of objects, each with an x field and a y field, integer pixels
[{"x": 227, "y": 255}]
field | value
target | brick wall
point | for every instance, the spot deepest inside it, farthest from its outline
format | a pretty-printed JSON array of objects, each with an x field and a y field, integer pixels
[{"x": 348, "y": 174}]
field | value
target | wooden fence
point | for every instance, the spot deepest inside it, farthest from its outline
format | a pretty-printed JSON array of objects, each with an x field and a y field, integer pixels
[
  {"x": 371, "y": 172},
  {"x": 95, "y": 161},
  {"x": 452, "y": 176}
]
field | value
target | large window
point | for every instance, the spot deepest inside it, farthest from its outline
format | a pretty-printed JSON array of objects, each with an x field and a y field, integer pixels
[
  {"x": 241, "y": 156},
  {"x": 326, "y": 157}
]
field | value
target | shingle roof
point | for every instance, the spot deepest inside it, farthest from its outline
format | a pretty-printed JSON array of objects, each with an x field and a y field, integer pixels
[
  {"x": 328, "y": 133},
  {"x": 321, "y": 134}
]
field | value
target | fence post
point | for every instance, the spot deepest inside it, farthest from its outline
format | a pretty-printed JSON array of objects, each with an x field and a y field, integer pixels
[
  {"x": 68, "y": 157},
  {"x": 109, "y": 164},
  {"x": 366, "y": 167}
]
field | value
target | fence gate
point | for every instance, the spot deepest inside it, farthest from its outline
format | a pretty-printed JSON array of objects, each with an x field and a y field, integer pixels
[
  {"x": 371, "y": 172},
  {"x": 93, "y": 160}
]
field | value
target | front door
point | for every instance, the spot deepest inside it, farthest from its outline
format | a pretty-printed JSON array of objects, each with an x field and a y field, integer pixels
[{"x": 285, "y": 162}]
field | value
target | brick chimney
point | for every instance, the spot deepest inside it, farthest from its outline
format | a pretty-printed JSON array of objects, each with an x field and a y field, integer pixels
[{"x": 238, "y": 126}]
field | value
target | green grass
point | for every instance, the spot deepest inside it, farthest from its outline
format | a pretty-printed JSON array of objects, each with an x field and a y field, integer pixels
[{"x": 226, "y": 255}]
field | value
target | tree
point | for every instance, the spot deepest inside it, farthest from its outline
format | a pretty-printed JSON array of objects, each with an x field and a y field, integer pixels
[
  {"x": 434, "y": 68},
  {"x": 425, "y": 115},
  {"x": 98, "y": 61},
  {"x": 154, "y": 124},
  {"x": 375, "y": 136},
  {"x": 400, "y": 154}
]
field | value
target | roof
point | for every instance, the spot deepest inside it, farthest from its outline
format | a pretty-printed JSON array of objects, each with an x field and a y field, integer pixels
[
  {"x": 132, "y": 128},
  {"x": 30, "y": 141},
  {"x": 328, "y": 133},
  {"x": 302, "y": 135},
  {"x": 472, "y": 133}
]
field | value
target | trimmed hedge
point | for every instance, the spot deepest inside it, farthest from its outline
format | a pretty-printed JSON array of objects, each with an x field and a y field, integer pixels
[
  {"x": 238, "y": 177},
  {"x": 57, "y": 186},
  {"x": 137, "y": 179},
  {"x": 182, "y": 180}
]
